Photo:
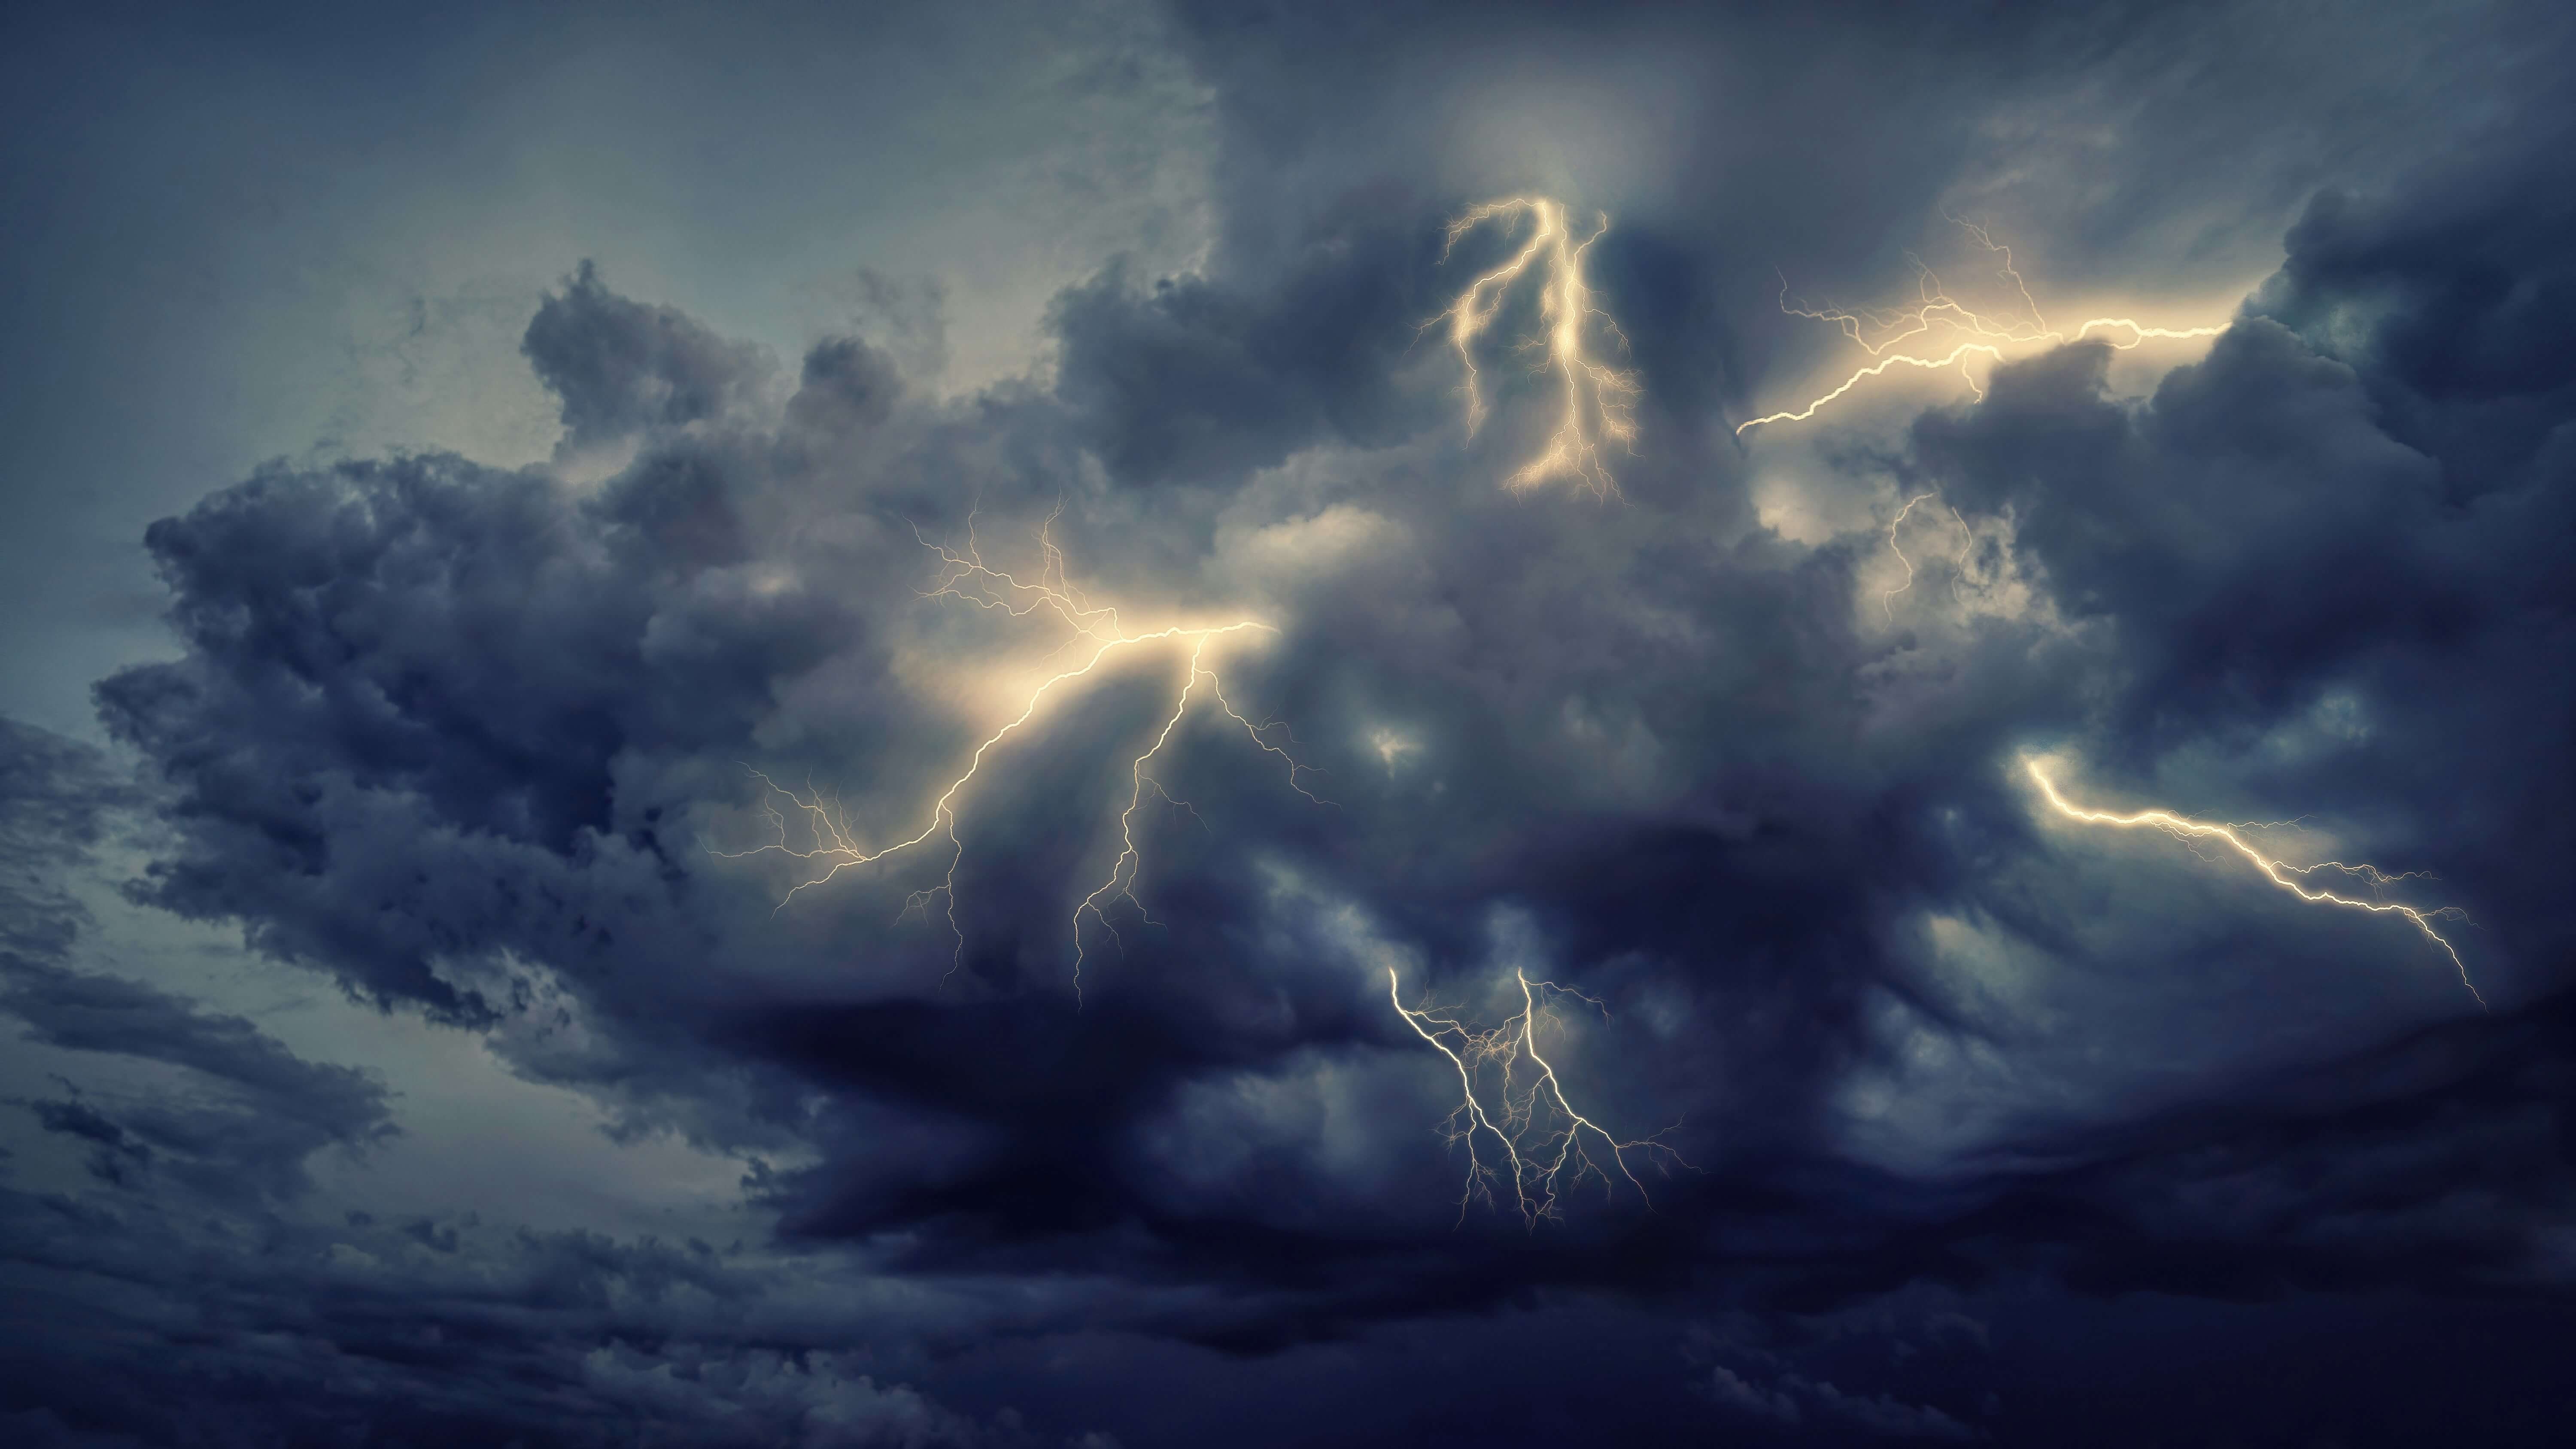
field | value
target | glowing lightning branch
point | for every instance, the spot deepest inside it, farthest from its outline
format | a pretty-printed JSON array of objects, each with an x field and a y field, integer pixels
[
  {"x": 1599, "y": 398},
  {"x": 964, "y": 575},
  {"x": 1936, "y": 313},
  {"x": 1541, "y": 1137},
  {"x": 2280, "y": 873},
  {"x": 1887, "y": 600}
]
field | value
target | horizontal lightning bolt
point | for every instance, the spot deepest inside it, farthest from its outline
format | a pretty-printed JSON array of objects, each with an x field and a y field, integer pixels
[
  {"x": 1598, "y": 398},
  {"x": 2278, "y": 872},
  {"x": 1541, "y": 1136},
  {"x": 1936, "y": 310},
  {"x": 964, "y": 575}
]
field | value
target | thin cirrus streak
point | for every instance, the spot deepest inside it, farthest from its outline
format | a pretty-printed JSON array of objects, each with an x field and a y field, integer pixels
[
  {"x": 2279, "y": 872},
  {"x": 1599, "y": 399},
  {"x": 965, "y": 576},
  {"x": 1539, "y": 1132},
  {"x": 1935, "y": 311}
]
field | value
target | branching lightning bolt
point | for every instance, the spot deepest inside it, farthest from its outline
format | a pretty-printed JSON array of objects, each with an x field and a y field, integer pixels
[
  {"x": 1937, "y": 313},
  {"x": 2280, "y": 873},
  {"x": 1545, "y": 1149},
  {"x": 964, "y": 575},
  {"x": 1599, "y": 398}
]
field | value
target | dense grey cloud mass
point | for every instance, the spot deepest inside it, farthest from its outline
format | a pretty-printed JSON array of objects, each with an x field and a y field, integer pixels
[
  {"x": 621, "y": 367},
  {"x": 1969, "y": 1121}
]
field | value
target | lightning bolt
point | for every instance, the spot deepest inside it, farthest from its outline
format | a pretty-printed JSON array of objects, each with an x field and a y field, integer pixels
[
  {"x": 1542, "y": 1138},
  {"x": 1598, "y": 398},
  {"x": 1937, "y": 316},
  {"x": 2280, "y": 873},
  {"x": 835, "y": 847},
  {"x": 1887, "y": 600}
]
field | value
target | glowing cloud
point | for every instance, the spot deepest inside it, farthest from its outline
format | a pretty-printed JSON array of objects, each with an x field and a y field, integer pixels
[
  {"x": 1598, "y": 398},
  {"x": 1937, "y": 316},
  {"x": 965, "y": 576},
  {"x": 1542, "y": 1138},
  {"x": 2278, "y": 872}
]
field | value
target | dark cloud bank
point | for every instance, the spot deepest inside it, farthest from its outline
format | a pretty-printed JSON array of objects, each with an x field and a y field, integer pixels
[{"x": 1998, "y": 1130}]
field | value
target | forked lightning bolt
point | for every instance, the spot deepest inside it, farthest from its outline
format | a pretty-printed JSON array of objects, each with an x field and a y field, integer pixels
[
  {"x": 1598, "y": 398},
  {"x": 1938, "y": 316},
  {"x": 1541, "y": 1138},
  {"x": 965, "y": 575},
  {"x": 2281, "y": 873}
]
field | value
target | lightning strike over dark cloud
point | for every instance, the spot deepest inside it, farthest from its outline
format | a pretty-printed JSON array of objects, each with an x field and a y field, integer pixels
[
  {"x": 1936, "y": 316},
  {"x": 856, "y": 726},
  {"x": 1547, "y": 1147},
  {"x": 2296, "y": 879},
  {"x": 1098, "y": 639},
  {"x": 1596, "y": 401}
]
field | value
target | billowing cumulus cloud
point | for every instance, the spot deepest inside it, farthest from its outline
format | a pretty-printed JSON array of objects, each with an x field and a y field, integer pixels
[{"x": 1928, "y": 1077}]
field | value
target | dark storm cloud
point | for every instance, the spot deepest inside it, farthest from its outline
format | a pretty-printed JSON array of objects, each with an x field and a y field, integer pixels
[
  {"x": 515, "y": 648},
  {"x": 464, "y": 739},
  {"x": 343, "y": 625},
  {"x": 192, "y": 1302},
  {"x": 250, "y": 1113},
  {"x": 2451, "y": 299},
  {"x": 269, "y": 1110},
  {"x": 427, "y": 1333},
  {"x": 621, "y": 367},
  {"x": 2327, "y": 515},
  {"x": 436, "y": 669},
  {"x": 2445, "y": 1158},
  {"x": 1198, "y": 380}
]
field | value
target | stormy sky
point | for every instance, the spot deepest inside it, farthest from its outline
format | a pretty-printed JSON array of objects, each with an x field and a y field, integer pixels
[{"x": 801, "y": 725}]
